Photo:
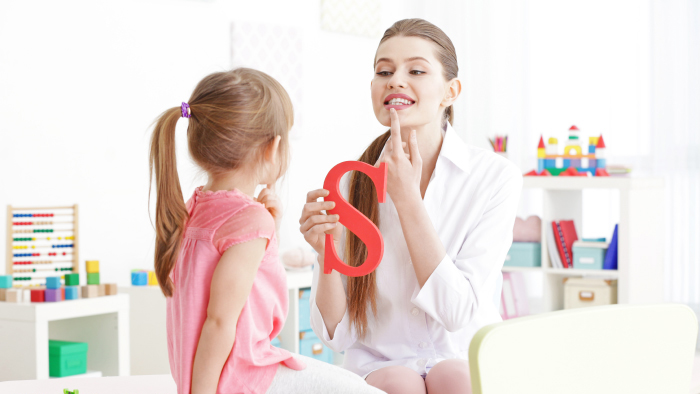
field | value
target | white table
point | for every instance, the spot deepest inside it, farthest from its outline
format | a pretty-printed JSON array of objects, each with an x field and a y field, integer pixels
[{"x": 25, "y": 330}]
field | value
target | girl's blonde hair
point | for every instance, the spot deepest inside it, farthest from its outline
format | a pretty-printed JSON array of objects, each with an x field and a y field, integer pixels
[
  {"x": 361, "y": 291},
  {"x": 235, "y": 115}
]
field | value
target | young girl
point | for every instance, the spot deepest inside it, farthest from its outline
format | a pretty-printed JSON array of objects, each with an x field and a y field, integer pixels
[
  {"x": 216, "y": 256},
  {"x": 447, "y": 225}
]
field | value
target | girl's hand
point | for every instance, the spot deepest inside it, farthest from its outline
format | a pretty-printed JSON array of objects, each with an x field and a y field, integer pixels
[
  {"x": 316, "y": 224},
  {"x": 403, "y": 180},
  {"x": 271, "y": 201}
]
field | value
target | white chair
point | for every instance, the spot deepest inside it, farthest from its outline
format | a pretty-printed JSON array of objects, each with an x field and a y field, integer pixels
[{"x": 610, "y": 349}]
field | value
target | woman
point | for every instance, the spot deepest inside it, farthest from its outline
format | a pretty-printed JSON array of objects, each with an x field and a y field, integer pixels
[{"x": 447, "y": 226}]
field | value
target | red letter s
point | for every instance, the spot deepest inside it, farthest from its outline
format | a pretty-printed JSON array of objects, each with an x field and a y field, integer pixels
[{"x": 354, "y": 220}]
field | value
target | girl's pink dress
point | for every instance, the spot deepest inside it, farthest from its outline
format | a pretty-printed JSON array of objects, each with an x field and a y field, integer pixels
[{"x": 219, "y": 220}]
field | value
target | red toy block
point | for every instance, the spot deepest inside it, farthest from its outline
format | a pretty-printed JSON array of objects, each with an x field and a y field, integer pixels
[
  {"x": 354, "y": 220},
  {"x": 543, "y": 173},
  {"x": 37, "y": 295},
  {"x": 572, "y": 171},
  {"x": 531, "y": 173},
  {"x": 601, "y": 172}
]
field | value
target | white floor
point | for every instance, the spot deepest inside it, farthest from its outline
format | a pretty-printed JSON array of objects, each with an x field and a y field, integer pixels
[{"x": 695, "y": 383}]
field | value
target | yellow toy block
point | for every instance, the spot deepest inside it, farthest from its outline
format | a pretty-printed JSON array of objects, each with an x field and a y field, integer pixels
[
  {"x": 569, "y": 148},
  {"x": 152, "y": 278},
  {"x": 541, "y": 153},
  {"x": 92, "y": 266},
  {"x": 593, "y": 141},
  {"x": 553, "y": 141}
]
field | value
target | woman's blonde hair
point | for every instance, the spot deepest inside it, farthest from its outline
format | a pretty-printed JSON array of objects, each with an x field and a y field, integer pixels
[
  {"x": 361, "y": 291},
  {"x": 234, "y": 116}
]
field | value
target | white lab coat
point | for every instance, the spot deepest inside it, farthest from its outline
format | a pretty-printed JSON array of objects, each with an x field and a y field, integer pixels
[{"x": 472, "y": 199}]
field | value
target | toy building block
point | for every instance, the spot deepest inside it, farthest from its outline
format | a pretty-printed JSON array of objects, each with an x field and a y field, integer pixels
[
  {"x": 152, "y": 278},
  {"x": 110, "y": 289},
  {"x": 53, "y": 295},
  {"x": 13, "y": 295},
  {"x": 72, "y": 292},
  {"x": 89, "y": 291},
  {"x": 601, "y": 172},
  {"x": 3, "y": 294},
  {"x": 53, "y": 282},
  {"x": 92, "y": 266},
  {"x": 93, "y": 278},
  {"x": 354, "y": 220},
  {"x": 139, "y": 278},
  {"x": 37, "y": 295},
  {"x": 101, "y": 290},
  {"x": 5, "y": 281},
  {"x": 72, "y": 279}
]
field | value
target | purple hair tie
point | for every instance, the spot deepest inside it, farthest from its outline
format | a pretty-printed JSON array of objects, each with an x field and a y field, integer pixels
[{"x": 185, "y": 109}]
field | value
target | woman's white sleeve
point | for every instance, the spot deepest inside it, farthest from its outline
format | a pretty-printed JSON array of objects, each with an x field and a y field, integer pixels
[
  {"x": 344, "y": 335},
  {"x": 454, "y": 291}
]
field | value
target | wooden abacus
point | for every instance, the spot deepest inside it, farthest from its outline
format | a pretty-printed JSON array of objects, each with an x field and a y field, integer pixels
[{"x": 41, "y": 242}]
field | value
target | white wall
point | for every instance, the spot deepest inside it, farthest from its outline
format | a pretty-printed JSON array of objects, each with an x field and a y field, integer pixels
[{"x": 81, "y": 81}]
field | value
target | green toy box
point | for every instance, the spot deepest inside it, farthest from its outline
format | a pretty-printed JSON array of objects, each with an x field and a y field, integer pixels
[
  {"x": 589, "y": 255},
  {"x": 524, "y": 254},
  {"x": 67, "y": 358}
]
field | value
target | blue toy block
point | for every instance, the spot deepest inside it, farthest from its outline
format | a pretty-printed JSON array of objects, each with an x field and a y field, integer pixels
[
  {"x": 53, "y": 282},
  {"x": 567, "y": 163},
  {"x": 575, "y": 163},
  {"x": 72, "y": 292},
  {"x": 591, "y": 149},
  {"x": 139, "y": 278},
  {"x": 5, "y": 281},
  {"x": 540, "y": 165},
  {"x": 600, "y": 163},
  {"x": 550, "y": 163}
]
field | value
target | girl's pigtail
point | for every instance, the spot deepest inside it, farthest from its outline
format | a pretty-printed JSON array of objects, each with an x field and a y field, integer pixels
[{"x": 171, "y": 212}]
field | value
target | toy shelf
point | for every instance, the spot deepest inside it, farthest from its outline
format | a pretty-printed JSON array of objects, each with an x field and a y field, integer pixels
[
  {"x": 102, "y": 322},
  {"x": 640, "y": 235}
]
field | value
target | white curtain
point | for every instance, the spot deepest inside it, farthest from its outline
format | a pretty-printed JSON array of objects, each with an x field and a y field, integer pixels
[{"x": 675, "y": 121}]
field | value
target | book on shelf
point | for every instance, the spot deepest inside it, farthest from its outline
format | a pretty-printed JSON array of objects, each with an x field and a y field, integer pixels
[
  {"x": 552, "y": 248},
  {"x": 610, "y": 262},
  {"x": 564, "y": 233}
]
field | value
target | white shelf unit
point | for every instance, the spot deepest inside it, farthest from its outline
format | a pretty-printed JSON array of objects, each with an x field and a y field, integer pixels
[
  {"x": 25, "y": 330},
  {"x": 289, "y": 336},
  {"x": 640, "y": 235}
]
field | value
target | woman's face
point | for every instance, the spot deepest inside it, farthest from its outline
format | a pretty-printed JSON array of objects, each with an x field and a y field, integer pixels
[{"x": 409, "y": 78}]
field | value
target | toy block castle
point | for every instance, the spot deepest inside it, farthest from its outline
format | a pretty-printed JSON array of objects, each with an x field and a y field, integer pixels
[{"x": 577, "y": 160}]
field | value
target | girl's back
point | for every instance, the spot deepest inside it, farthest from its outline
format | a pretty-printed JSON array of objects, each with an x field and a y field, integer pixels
[{"x": 219, "y": 220}]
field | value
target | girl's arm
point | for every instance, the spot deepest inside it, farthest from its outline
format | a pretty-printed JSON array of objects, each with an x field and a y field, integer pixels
[{"x": 230, "y": 286}]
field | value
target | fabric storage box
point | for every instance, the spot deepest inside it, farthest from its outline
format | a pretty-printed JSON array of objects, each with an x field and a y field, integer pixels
[
  {"x": 311, "y": 346},
  {"x": 67, "y": 358},
  {"x": 589, "y": 255},
  {"x": 304, "y": 310},
  {"x": 582, "y": 292},
  {"x": 276, "y": 342},
  {"x": 524, "y": 254}
]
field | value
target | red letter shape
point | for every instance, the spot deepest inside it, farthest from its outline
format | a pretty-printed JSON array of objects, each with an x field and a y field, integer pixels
[{"x": 354, "y": 220}]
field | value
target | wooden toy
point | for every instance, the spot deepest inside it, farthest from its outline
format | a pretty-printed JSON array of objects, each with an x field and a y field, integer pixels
[
  {"x": 354, "y": 220},
  {"x": 13, "y": 295},
  {"x": 139, "y": 278},
  {"x": 152, "y": 278},
  {"x": 53, "y": 282},
  {"x": 38, "y": 295},
  {"x": 41, "y": 243},
  {"x": 72, "y": 279},
  {"x": 101, "y": 291},
  {"x": 110, "y": 289},
  {"x": 577, "y": 159},
  {"x": 53, "y": 295},
  {"x": 89, "y": 291},
  {"x": 92, "y": 266},
  {"x": 5, "y": 281},
  {"x": 26, "y": 295},
  {"x": 72, "y": 292},
  {"x": 3, "y": 294},
  {"x": 93, "y": 278}
]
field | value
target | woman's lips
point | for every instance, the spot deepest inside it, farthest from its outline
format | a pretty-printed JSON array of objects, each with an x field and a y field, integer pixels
[
  {"x": 398, "y": 101},
  {"x": 397, "y": 107}
]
